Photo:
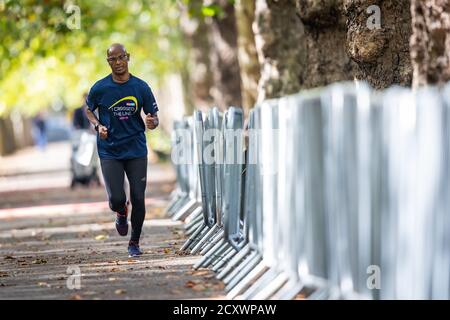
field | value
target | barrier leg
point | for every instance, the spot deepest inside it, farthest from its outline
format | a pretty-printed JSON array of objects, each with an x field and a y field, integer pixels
[
  {"x": 216, "y": 238},
  {"x": 247, "y": 281},
  {"x": 259, "y": 284},
  {"x": 217, "y": 253},
  {"x": 205, "y": 239},
  {"x": 194, "y": 217},
  {"x": 289, "y": 291},
  {"x": 252, "y": 260},
  {"x": 217, "y": 245},
  {"x": 233, "y": 262},
  {"x": 192, "y": 238},
  {"x": 185, "y": 210},
  {"x": 229, "y": 255},
  {"x": 272, "y": 287}
]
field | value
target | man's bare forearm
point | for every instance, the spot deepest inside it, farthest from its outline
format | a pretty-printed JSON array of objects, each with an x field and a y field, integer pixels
[{"x": 92, "y": 118}]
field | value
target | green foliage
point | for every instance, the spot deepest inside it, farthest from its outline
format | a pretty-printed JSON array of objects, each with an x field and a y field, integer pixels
[
  {"x": 159, "y": 141},
  {"x": 44, "y": 60},
  {"x": 212, "y": 10},
  {"x": 198, "y": 9}
]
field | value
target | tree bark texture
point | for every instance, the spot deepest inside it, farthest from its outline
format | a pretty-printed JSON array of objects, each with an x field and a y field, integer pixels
[
  {"x": 430, "y": 41},
  {"x": 224, "y": 57},
  {"x": 309, "y": 43},
  {"x": 247, "y": 55}
]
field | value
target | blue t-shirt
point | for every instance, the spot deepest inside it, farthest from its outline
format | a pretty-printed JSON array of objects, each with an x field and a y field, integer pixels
[{"x": 119, "y": 109}]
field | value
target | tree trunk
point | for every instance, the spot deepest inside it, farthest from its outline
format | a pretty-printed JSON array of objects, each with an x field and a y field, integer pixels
[
  {"x": 7, "y": 141},
  {"x": 198, "y": 79},
  {"x": 430, "y": 42},
  {"x": 281, "y": 46},
  {"x": 224, "y": 61},
  {"x": 247, "y": 55},
  {"x": 382, "y": 54},
  {"x": 300, "y": 45},
  {"x": 310, "y": 43},
  {"x": 325, "y": 31}
]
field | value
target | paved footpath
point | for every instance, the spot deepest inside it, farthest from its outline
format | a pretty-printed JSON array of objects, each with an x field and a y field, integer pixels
[{"x": 49, "y": 232}]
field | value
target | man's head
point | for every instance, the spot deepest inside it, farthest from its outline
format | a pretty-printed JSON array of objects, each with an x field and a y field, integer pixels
[{"x": 118, "y": 57}]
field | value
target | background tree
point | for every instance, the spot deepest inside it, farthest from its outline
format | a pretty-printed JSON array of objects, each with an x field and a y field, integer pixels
[
  {"x": 310, "y": 43},
  {"x": 430, "y": 42},
  {"x": 381, "y": 54},
  {"x": 197, "y": 76},
  {"x": 224, "y": 56},
  {"x": 247, "y": 54}
]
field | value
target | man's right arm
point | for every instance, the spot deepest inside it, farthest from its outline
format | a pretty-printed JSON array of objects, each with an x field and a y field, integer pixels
[
  {"x": 102, "y": 130},
  {"x": 91, "y": 103},
  {"x": 92, "y": 117}
]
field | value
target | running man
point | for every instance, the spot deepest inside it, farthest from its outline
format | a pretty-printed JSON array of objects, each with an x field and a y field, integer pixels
[{"x": 122, "y": 148}]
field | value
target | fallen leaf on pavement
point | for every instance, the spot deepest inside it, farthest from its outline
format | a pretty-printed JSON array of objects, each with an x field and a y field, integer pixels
[
  {"x": 166, "y": 250},
  {"x": 39, "y": 261},
  {"x": 111, "y": 279},
  {"x": 219, "y": 286},
  {"x": 75, "y": 297},
  {"x": 101, "y": 237},
  {"x": 200, "y": 272},
  {"x": 189, "y": 284},
  {"x": 199, "y": 287},
  {"x": 120, "y": 291},
  {"x": 44, "y": 284}
]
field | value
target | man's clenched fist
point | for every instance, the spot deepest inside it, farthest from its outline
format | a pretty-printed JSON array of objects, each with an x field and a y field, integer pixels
[
  {"x": 151, "y": 121},
  {"x": 103, "y": 132}
]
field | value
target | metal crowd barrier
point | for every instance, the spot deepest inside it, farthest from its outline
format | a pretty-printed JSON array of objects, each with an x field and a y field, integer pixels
[{"x": 339, "y": 193}]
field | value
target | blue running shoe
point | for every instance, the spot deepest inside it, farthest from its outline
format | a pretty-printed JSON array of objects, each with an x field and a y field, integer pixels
[
  {"x": 122, "y": 222},
  {"x": 133, "y": 249}
]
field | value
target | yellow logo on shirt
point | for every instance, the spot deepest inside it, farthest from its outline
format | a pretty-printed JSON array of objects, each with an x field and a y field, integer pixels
[
  {"x": 132, "y": 98},
  {"x": 126, "y": 109}
]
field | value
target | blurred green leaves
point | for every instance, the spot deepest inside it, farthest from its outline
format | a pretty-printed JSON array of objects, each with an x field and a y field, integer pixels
[
  {"x": 199, "y": 9},
  {"x": 42, "y": 59},
  {"x": 159, "y": 141}
]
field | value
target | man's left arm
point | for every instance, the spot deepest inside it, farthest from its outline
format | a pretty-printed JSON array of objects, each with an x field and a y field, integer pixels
[{"x": 150, "y": 109}]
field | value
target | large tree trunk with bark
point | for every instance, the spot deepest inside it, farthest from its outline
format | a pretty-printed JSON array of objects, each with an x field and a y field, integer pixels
[
  {"x": 301, "y": 44},
  {"x": 325, "y": 31},
  {"x": 430, "y": 42},
  {"x": 197, "y": 78},
  {"x": 382, "y": 54},
  {"x": 247, "y": 55},
  {"x": 310, "y": 43},
  {"x": 213, "y": 76},
  {"x": 224, "y": 61},
  {"x": 7, "y": 141},
  {"x": 281, "y": 46}
]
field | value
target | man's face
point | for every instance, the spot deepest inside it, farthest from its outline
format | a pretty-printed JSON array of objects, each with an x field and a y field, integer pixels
[{"x": 118, "y": 60}]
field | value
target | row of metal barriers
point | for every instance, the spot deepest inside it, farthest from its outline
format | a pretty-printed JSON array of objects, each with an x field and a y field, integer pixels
[{"x": 334, "y": 193}]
